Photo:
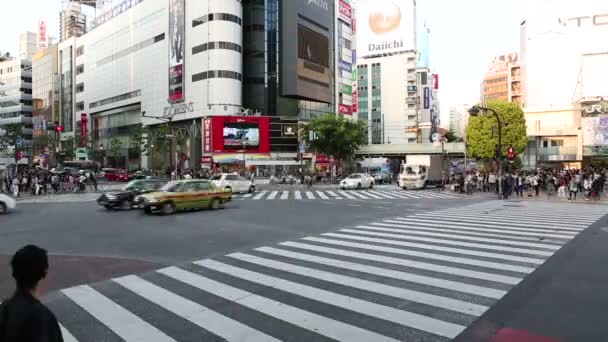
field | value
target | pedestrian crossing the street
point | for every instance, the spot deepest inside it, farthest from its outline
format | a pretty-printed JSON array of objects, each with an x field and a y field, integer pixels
[
  {"x": 424, "y": 277},
  {"x": 327, "y": 195}
]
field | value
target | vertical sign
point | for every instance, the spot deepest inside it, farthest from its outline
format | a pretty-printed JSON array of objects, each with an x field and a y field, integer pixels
[
  {"x": 345, "y": 109},
  {"x": 177, "y": 31},
  {"x": 345, "y": 11},
  {"x": 84, "y": 129},
  {"x": 43, "y": 39},
  {"x": 436, "y": 81},
  {"x": 207, "y": 136},
  {"x": 355, "y": 107},
  {"x": 427, "y": 98}
]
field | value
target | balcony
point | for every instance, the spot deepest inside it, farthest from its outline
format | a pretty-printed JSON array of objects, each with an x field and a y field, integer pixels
[{"x": 564, "y": 153}]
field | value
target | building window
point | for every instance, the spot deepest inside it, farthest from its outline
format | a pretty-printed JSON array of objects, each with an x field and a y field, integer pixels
[
  {"x": 216, "y": 16},
  {"x": 80, "y": 69},
  {"x": 131, "y": 49},
  {"x": 216, "y": 74},
  {"x": 80, "y": 105},
  {"x": 216, "y": 45},
  {"x": 79, "y": 88},
  {"x": 80, "y": 51},
  {"x": 115, "y": 99}
]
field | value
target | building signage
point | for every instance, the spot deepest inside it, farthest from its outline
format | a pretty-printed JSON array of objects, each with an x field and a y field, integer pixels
[
  {"x": 595, "y": 20},
  {"x": 411, "y": 129},
  {"x": 345, "y": 11},
  {"x": 411, "y": 89},
  {"x": 411, "y": 100},
  {"x": 207, "y": 145},
  {"x": 347, "y": 90},
  {"x": 345, "y": 109},
  {"x": 355, "y": 106},
  {"x": 179, "y": 108},
  {"x": 84, "y": 130},
  {"x": 290, "y": 130},
  {"x": 177, "y": 33},
  {"x": 427, "y": 98},
  {"x": 354, "y": 57},
  {"x": 206, "y": 160},
  {"x": 595, "y": 109},
  {"x": 346, "y": 66},
  {"x": 323, "y": 4},
  {"x": 436, "y": 81},
  {"x": 43, "y": 39}
]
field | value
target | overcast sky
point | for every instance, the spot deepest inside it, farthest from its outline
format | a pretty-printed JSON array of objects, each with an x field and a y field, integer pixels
[{"x": 465, "y": 36}]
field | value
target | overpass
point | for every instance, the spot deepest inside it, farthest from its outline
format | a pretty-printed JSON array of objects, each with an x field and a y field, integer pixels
[{"x": 401, "y": 150}]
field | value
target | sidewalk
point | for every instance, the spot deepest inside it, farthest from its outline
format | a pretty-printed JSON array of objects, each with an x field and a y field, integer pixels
[
  {"x": 565, "y": 300},
  {"x": 104, "y": 187}
]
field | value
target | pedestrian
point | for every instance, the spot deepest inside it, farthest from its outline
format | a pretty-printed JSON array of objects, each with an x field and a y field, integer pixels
[
  {"x": 93, "y": 181},
  {"x": 573, "y": 189},
  {"x": 16, "y": 187},
  {"x": 519, "y": 185},
  {"x": 23, "y": 318}
]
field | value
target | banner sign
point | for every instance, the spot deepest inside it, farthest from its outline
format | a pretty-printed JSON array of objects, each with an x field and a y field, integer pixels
[
  {"x": 436, "y": 81},
  {"x": 346, "y": 89},
  {"x": 207, "y": 146},
  {"x": 43, "y": 38},
  {"x": 355, "y": 107},
  {"x": 345, "y": 109},
  {"x": 177, "y": 32},
  {"x": 84, "y": 130},
  {"x": 427, "y": 98},
  {"x": 345, "y": 11},
  {"x": 346, "y": 66}
]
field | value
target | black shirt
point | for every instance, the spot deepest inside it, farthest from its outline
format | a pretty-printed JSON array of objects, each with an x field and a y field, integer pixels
[{"x": 24, "y": 318}]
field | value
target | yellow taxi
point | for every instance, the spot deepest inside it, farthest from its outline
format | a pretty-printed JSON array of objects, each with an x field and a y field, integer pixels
[{"x": 191, "y": 194}]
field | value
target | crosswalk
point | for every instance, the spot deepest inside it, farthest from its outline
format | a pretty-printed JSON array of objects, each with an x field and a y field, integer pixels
[
  {"x": 283, "y": 195},
  {"x": 423, "y": 277}
]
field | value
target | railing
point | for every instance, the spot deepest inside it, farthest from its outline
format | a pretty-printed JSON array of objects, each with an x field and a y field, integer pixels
[{"x": 557, "y": 153}]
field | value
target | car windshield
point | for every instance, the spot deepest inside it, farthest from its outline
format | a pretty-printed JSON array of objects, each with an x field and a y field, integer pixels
[
  {"x": 132, "y": 185},
  {"x": 169, "y": 187},
  {"x": 216, "y": 177},
  {"x": 354, "y": 176}
]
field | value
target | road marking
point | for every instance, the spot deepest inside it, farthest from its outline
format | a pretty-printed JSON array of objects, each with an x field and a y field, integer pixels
[
  {"x": 385, "y": 272},
  {"x": 411, "y": 194},
  {"x": 67, "y": 336},
  {"x": 304, "y": 319},
  {"x": 366, "y": 285},
  {"x": 272, "y": 195},
  {"x": 560, "y": 217},
  {"x": 310, "y": 195},
  {"x": 473, "y": 231},
  {"x": 285, "y": 195},
  {"x": 247, "y": 195},
  {"x": 205, "y": 318},
  {"x": 322, "y": 195},
  {"x": 122, "y": 322},
  {"x": 398, "y": 261},
  {"x": 260, "y": 195},
  {"x": 367, "y": 193},
  {"x": 398, "y": 194},
  {"x": 297, "y": 195},
  {"x": 334, "y": 195},
  {"x": 476, "y": 239},
  {"x": 420, "y": 322},
  {"x": 447, "y": 242},
  {"x": 356, "y": 193},
  {"x": 346, "y": 194},
  {"x": 382, "y": 195},
  {"x": 529, "y": 225}
]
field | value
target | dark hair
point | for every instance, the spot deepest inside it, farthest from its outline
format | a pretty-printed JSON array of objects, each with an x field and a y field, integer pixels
[{"x": 29, "y": 265}]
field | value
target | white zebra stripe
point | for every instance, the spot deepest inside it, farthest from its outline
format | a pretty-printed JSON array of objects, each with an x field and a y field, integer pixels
[
  {"x": 297, "y": 195},
  {"x": 67, "y": 336},
  {"x": 272, "y": 195},
  {"x": 346, "y": 194},
  {"x": 322, "y": 195},
  {"x": 260, "y": 195},
  {"x": 310, "y": 195},
  {"x": 285, "y": 195}
]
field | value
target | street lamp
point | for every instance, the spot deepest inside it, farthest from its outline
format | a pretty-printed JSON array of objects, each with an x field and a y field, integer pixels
[{"x": 475, "y": 111}]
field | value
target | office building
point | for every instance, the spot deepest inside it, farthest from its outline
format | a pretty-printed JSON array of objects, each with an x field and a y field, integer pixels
[
  {"x": 28, "y": 45},
  {"x": 16, "y": 100},
  {"x": 345, "y": 47},
  {"x": 503, "y": 79},
  {"x": 73, "y": 23},
  {"x": 45, "y": 103}
]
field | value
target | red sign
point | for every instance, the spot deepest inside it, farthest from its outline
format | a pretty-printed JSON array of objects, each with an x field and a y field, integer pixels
[
  {"x": 84, "y": 129},
  {"x": 42, "y": 35},
  {"x": 436, "y": 81},
  {"x": 345, "y": 11},
  {"x": 323, "y": 159},
  {"x": 345, "y": 109},
  {"x": 207, "y": 147},
  {"x": 206, "y": 160},
  {"x": 355, "y": 106},
  {"x": 223, "y": 143}
]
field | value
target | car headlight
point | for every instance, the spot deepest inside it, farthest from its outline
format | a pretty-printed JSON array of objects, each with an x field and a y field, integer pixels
[
  {"x": 139, "y": 199},
  {"x": 152, "y": 200}
]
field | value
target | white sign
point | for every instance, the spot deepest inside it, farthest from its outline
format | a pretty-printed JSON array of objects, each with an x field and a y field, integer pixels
[
  {"x": 385, "y": 26},
  {"x": 319, "y": 3}
]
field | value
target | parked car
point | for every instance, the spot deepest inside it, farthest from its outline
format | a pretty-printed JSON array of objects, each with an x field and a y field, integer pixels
[
  {"x": 191, "y": 194},
  {"x": 6, "y": 203},
  {"x": 380, "y": 177},
  {"x": 116, "y": 175},
  {"x": 357, "y": 181},
  {"x": 130, "y": 195},
  {"x": 233, "y": 182}
]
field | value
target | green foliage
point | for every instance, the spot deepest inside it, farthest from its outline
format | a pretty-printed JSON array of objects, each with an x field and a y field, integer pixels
[
  {"x": 335, "y": 135},
  {"x": 137, "y": 140},
  {"x": 13, "y": 132},
  {"x": 69, "y": 147},
  {"x": 115, "y": 146},
  {"x": 481, "y": 141}
]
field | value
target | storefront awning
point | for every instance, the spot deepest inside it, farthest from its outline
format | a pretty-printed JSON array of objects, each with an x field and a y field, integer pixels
[
  {"x": 272, "y": 162},
  {"x": 237, "y": 158}
]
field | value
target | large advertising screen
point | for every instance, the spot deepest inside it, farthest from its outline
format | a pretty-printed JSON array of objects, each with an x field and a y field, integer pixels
[
  {"x": 177, "y": 32},
  {"x": 385, "y": 26},
  {"x": 241, "y": 134},
  {"x": 307, "y": 42}
]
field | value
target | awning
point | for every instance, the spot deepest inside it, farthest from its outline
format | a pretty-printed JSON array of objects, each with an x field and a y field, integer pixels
[
  {"x": 237, "y": 158},
  {"x": 272, "y": 162}
]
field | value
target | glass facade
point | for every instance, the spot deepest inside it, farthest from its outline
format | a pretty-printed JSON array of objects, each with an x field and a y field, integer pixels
[
  {"x": 362, "y": 84},
  {"x": 67, "y": 91},
  {"x": 45, "y": 97},
  {"x": 261, "y": 64},
  {"x": 376, "y": 104}
]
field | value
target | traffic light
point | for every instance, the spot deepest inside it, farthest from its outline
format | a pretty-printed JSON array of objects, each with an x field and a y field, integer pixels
[
  {"x": 18, "y": 155},
  {"x": 58, "y": 127},
  {"x": 511, "y": 153}
]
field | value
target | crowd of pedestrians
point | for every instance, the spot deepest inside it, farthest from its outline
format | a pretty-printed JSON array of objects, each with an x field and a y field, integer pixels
[
  {"x": 588, "y": 184},
  {"x": 39, "y": 182}
]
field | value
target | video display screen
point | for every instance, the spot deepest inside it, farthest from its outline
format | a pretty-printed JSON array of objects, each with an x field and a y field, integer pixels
[
  {"x": 237, "y": 135},
  {"x": 313, "y": 47}
]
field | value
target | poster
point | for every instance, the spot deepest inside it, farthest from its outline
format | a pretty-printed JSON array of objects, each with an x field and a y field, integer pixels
[{"x": 176, "y": 50}]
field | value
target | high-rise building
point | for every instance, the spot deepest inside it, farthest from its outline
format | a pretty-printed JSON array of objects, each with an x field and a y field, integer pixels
[
  {"x": 503, "y": 79},
  {"x": 73, "y": 23},
  {"x": 45, "y": 101},
  {"x": 16, "y": 99},
  {"x": 28, "y": 44},
  {"x": 459, "y": 119},
  {"x": 346, "y": 74}
]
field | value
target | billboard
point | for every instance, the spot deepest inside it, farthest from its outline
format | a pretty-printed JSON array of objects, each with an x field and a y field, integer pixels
[
  {"x": 346, "y": 66},
  {"x": 385, "y": 26},
  {"x": 307, "y": 60},
  {"x": 230, "y": 133},
  {"x": 43, "y": 38},
  {"x": 177, "y": 32},
  {"x": 595, "y": 130},
  {"x": 423, "y": 46},
  {"x": 344, "y": 11},
  {"x": 427, "y": 98}
]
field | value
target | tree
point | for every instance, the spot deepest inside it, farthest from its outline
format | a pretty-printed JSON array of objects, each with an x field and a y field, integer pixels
[
  {"x": 137, "y": 142},
  {"x": 482, "y": 131},
  {"x": 69, "y": 147},
  {"x": 115, "y": 146},
  {"x": 12, "y": 132},
  {"x": 334, "y": 135}
]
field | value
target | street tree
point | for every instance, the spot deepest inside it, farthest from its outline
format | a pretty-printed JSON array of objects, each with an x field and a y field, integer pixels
[
  {"x": 334, "y": 135},
  {"x": 137, "y": 146},
  {"x": 482, "y": 131},
  {"x": 11, "y": 133},
  {"x": 115, "y": 146}
]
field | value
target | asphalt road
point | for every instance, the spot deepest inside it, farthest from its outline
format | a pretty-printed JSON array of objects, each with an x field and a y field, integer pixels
[{"x": 89, "y": 243}]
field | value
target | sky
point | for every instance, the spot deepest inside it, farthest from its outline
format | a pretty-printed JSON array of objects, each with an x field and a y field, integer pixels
[{"x": 465, "y": 36}]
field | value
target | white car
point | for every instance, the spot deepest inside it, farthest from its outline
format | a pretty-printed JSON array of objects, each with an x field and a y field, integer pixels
[
  {"x": 357, "y": 181},
  {"x": 233, "y": 182},
  {"x": 6, "y": 202}
]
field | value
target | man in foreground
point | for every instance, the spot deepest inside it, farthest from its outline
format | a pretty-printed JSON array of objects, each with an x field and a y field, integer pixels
[{"x": 23, "y": 318}]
